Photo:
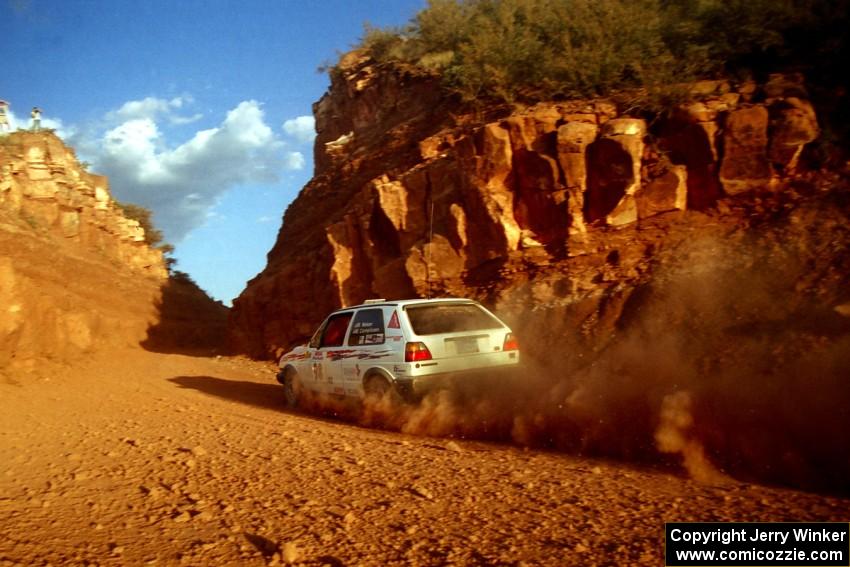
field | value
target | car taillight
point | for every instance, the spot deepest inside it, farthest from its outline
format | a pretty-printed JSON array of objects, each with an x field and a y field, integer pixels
[
  {"x": 414, "y": 352},
  {"x": 510, "y": 342}
]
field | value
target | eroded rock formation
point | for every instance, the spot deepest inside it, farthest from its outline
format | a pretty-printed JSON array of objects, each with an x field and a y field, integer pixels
[
  {"x": 524, "y": 208},
  {"x": 42, "y": 182},
  {"x": 75, "y": 273}
]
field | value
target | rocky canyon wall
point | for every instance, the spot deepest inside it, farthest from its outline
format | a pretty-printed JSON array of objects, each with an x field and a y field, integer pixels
[
  {"x": 414, "y": 197},
  {"x": 75, "y": 273},
  {"x": 680, "y": 287}
]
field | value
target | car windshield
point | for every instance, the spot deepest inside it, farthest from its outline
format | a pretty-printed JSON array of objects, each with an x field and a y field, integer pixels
[{"x": 450, "y": 318}]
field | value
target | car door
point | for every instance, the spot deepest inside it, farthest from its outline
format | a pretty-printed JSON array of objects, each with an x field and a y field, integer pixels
[
  {"x": 326, "y": 363},
  {"x": 367, "y": 344},
  {"x": 305, "y": 364}
]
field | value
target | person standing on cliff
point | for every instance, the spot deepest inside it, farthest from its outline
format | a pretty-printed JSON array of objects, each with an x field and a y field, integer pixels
[
  {"x": 4, "y": 115},
  {"x": 36, "y": 118}
]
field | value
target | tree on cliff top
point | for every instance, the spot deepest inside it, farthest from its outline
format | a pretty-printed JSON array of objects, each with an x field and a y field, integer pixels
[{"x": 543, "y": 49}]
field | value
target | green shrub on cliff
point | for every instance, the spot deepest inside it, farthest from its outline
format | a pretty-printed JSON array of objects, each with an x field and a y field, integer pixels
[
  {"x": 534, "y": 49},
  {"x": 144, "y": 217},
  {"x": 153, "y": 236}
]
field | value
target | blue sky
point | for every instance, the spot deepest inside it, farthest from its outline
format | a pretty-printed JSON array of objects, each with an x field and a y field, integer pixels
[{"x": 199, "y": 110}]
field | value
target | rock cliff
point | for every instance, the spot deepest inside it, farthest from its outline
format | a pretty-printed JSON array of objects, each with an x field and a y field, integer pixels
[
  {"x": 678, "y": 285},
  {"x": 75, "y": 274},
  {"x": 42, "y": 183},
  {"x": 414, "y": 196}
]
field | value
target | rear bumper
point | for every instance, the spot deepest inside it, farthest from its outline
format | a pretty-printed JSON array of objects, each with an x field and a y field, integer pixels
[{"x": 475, "y": 382}]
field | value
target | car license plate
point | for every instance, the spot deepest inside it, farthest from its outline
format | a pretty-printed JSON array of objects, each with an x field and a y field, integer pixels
[{"x": 466, "y": 346}]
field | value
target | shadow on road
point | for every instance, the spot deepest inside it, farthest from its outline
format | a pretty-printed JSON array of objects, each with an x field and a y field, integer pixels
[
  {"x": 268, "y": 396},
  {"x": 265, "y": 396}
]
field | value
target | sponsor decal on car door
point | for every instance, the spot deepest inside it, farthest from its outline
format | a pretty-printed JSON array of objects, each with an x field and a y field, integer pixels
[{"x": 367, "y": 345}]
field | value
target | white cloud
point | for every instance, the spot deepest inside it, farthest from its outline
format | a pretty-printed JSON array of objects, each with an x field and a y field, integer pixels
[
  {"x": 294, "y": 160},
  {"x": 179, "y": 120},
  {"x": 301, "y": 129},
  {"x": 245, "y": 124},
  {"x": 150, "y": 107},
  {"x": 153, "y": 108},
  {"x": 181, "y": 183},
  {"x": 133, "y": 146}
]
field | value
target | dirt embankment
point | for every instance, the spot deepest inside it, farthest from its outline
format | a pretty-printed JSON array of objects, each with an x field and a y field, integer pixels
[
  {"x": 60, "y": 302},
  {"x": 63, "y": 303},
  {"x": 76, "y": 274},
  {"x": 143, "y": 458}
]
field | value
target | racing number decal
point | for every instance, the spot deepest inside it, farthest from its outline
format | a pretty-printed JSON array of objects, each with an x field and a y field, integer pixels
[{"x": 319, "y": 374}]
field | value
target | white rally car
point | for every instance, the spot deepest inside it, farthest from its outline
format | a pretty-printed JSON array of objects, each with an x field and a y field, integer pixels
[{"x": 401, "y": 348}]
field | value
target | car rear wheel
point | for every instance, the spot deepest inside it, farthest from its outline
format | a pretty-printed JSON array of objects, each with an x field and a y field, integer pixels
[
  {"x": 291, "y": 388},
  {"x": 379, "y": 388}
]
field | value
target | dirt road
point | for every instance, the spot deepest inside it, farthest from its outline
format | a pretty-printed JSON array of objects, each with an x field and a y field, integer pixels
[{"x": 142, "y": 458}]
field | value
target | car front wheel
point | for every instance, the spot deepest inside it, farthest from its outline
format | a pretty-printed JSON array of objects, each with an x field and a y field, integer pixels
[{"x": 291, "y": 388}]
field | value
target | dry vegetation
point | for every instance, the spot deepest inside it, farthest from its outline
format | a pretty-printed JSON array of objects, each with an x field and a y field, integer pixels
[{"x": 544, "y": 49}]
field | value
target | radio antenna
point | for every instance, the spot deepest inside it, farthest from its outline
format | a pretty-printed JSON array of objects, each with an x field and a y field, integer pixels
[{"x": 428, "y": 252}]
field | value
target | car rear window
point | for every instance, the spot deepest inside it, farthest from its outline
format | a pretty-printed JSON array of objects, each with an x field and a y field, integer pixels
[{"x": 450, "y": 318}]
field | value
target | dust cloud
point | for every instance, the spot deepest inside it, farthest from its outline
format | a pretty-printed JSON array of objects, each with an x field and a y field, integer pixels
[
  {"x": 733, "y": 362},
  {"x": 674, "y": 436}
]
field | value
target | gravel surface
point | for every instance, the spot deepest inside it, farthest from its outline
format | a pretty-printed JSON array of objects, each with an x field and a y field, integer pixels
[{"x": 142, "y": 458}]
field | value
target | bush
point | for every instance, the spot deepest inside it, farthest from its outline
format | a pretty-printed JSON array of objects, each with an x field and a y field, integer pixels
[
  {"x": 153, "y": 236},
  {"x": 144, "y": 216},
  {"x": 383, "y": 44},
  {"x": 543, "y": 49}
]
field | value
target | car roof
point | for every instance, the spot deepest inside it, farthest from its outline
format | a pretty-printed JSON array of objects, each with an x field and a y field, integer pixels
[{"x": 405, "y": 302}]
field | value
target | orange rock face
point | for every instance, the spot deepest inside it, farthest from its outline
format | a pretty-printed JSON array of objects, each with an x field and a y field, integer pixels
[
  {"x": 42, "y": 182},
  {"x": 414, "y": 196},
  {"x": 75, "y": 274}
]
